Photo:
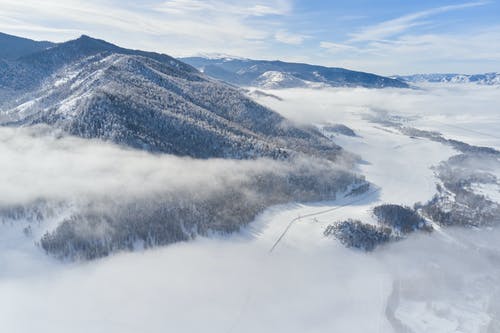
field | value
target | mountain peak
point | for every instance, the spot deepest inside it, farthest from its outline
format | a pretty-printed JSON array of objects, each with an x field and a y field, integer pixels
[
  {"x": 96, "y": 44},
  {"x": 87, "y": 38}
]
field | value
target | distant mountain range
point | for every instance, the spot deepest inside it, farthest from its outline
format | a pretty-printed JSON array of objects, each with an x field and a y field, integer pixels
[
  {"x": 279, "y": 74},
  {"x": 93, "y": 89},
  {"x": 484, "y": 79}
]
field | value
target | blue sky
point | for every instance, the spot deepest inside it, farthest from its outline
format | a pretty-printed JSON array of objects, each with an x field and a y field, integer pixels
[{"x": 383, "y": 36}]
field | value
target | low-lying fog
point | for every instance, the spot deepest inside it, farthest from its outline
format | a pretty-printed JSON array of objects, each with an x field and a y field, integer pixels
[
  {"x": 447, "y": 281},
  {"x": 35, "y": 164},
  {"x": 467, "y": 112},
  {"x": 236, "y": 286}
]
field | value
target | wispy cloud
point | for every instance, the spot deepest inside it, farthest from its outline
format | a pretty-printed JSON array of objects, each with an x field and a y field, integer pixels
[
  {"x": 265, "y": 29},
  {"x": 414, "y": 53},
  {"x": 398, "y": 46},
  {"x": 336, "y": 47},
  {"x": 404, "y": 23},
  {"x": 287, "y": 37},
  {"x": 220, "y": 7},
  {"x": 351, "y": 17},
  {"x": 183, "y": 6},
  {"x": 474, "y": 46},
  {"x": 190, "y": 25}
]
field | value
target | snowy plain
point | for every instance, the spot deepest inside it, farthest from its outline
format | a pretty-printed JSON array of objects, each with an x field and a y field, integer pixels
[{"x": 443, "y": 282}]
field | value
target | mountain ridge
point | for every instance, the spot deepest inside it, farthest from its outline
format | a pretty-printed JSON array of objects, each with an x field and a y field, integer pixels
[
  {"x": 94, "y": 89},
  {"x": 492, "y": 78},
  {"x": 15, "y": 47},
  {"x": 266, "y": 73}
]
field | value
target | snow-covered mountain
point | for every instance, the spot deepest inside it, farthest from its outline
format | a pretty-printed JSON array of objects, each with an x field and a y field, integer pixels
[
  {"x": 277, "y": 80},
  {"x": 279, "y": 74},
  {"x": 484, "y": 79},
  {"x": 93, "y": 89}
]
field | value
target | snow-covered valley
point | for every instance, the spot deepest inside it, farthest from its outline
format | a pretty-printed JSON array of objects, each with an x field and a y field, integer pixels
[{"x": 444, "y": 281}]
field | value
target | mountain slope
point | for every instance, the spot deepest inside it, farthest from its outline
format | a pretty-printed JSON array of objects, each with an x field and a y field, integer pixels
[
  {"x": 484, "y": 79},
  {"x": 94, "y": 89},
  {"x": 14, "y": 47},
  {"x": 278, "y": 74}
]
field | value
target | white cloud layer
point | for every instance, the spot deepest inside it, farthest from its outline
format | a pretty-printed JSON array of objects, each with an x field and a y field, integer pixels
[{"x": 35, "y": 165}]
